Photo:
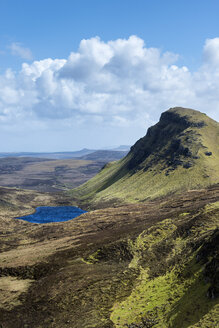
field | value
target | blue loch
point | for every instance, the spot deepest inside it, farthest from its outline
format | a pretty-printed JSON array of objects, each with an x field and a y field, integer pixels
[{"x": 48, "y": 214}]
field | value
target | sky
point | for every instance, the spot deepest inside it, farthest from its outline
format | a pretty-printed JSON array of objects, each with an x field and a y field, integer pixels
[{"x": 95, "y": 73}]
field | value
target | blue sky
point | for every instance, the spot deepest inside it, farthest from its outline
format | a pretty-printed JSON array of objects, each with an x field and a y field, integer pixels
[
  {"x": 52, "y": 28},
  {"x": 138, "y": 59}
]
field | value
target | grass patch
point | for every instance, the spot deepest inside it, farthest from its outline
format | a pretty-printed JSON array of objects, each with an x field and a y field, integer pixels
[
  {"x": 171, "y": 289},
  {"x": 11, "y": 288}
]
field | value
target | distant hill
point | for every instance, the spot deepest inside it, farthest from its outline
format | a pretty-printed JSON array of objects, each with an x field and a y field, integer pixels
[
  {"x": 122, "y": 148},
  {"x": 55, "y": 155},
  {"x": 104, "y": 155},
  {"x": 113, "y": 154},
  {"x": 179, "y": 153}
]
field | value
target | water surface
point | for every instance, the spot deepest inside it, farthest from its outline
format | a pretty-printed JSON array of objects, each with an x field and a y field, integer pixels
[{"x": 48, "y": 214}]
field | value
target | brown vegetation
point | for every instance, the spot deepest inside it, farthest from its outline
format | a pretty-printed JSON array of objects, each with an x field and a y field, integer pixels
[{"x": 71, "y": 274}]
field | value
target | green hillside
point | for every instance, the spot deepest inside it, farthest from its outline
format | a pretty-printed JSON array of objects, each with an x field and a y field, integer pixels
[{"x": 179, "y": 153}]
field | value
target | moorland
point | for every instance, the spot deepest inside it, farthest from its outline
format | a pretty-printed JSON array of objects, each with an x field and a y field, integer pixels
[{"x": 51, "y": 174}]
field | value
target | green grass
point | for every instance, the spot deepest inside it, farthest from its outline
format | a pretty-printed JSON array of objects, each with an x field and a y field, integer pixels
[
  {"x": 177, "y": 296},
  {"x": 166, "y": 299}
]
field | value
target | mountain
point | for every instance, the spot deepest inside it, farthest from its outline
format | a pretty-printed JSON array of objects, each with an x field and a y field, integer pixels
[{"x": 179, "y": 153}]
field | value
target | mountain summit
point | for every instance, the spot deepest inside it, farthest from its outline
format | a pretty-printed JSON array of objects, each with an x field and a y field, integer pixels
[{"x": 179, "y": 153}]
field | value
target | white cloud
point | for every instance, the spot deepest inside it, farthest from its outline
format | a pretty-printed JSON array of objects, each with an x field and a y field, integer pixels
[
  {"x": 118, "y": 83},
  {"x": 17, "y": 49},
  {"x": 211, "y": 52}
]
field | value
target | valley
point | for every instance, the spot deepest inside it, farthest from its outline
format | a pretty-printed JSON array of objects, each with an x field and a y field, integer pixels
[
  {"x": 113, "y": 267},
  {"x": 51, "y": 175}
]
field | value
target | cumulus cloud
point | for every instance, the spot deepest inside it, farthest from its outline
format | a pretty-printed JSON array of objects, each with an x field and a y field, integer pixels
[
  {"x": 211, "y": 52},
  {"x": 17, "y": 49},
  {"x": 118, "y": 83}
]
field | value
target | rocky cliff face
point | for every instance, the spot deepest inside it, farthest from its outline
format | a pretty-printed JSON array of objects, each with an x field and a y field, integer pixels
[{"x": 170, "y": 141}]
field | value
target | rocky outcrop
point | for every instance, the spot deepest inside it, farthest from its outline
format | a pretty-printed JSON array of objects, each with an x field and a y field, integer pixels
[{"x": 169, "y": 141}]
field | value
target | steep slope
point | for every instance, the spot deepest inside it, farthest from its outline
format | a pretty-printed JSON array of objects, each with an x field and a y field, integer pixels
[{"x": 179, "y": 153}]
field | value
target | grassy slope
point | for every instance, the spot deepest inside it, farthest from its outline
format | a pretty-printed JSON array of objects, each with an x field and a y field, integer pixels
[
  {"x": 171, "y": 288},
  {"x": 151, "y": 178}
]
